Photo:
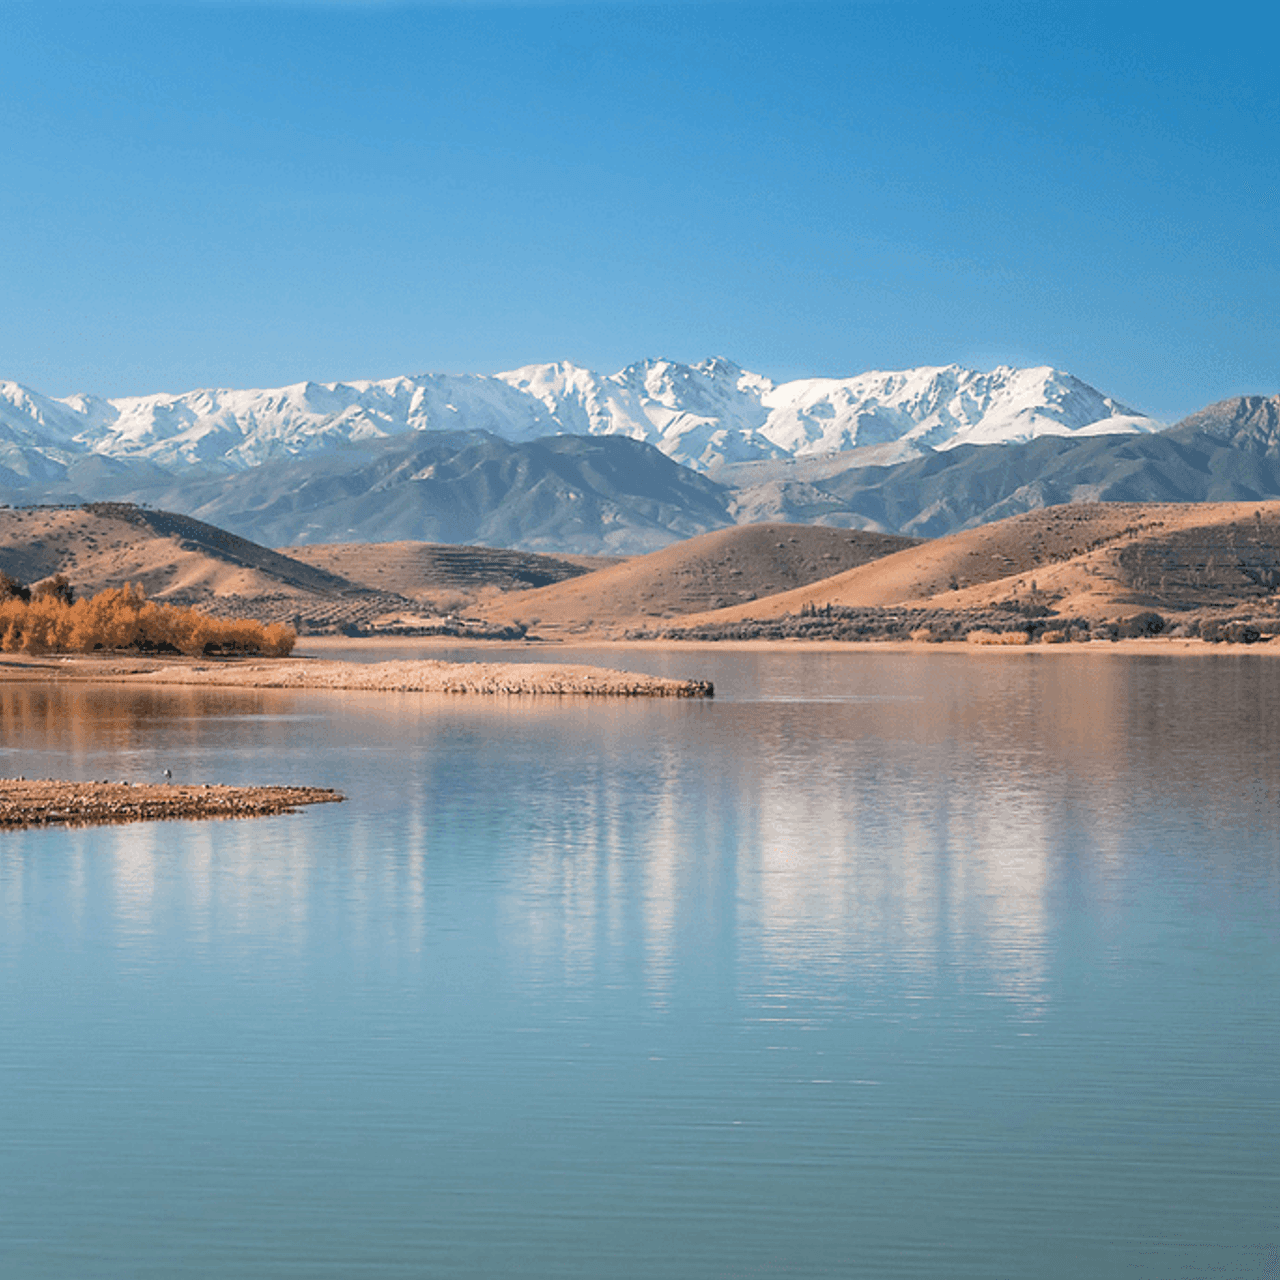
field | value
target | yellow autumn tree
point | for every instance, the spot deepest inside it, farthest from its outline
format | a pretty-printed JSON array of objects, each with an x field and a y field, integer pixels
[{"x": 123, "y": 618}]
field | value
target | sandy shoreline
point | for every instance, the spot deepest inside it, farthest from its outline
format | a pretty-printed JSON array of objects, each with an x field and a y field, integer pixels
[
  {"x": 1150, "y": 645},
  {"x": 39, "y": 802},
  {"x": 1154, "y": 646}
]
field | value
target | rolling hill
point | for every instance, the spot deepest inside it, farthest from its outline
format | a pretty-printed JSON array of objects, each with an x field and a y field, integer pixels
[
  {"x": 1081, "y": 560},
  {"x": 743, "y": 563},
  {"x": 1087, "y": 559},
  {"x": 442, "y": 575},
  {"x": 182, "y": 561}
]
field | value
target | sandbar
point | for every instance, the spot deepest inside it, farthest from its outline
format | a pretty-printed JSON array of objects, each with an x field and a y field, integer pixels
[{"x": 421, "y": 676}]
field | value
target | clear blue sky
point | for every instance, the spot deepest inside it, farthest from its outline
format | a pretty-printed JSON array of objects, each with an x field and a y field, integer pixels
[{"x": 235, "y": 194}]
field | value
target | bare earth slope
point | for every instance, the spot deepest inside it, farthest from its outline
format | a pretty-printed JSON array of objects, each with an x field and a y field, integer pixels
[
  {"x": 1091, "y": 559},
  {"x": 743, "y": 563}
]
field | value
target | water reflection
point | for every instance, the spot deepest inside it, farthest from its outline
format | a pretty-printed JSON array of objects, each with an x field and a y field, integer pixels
[
  {"x": 918, "y": 962},
  {"x": 910, "y": 824}
]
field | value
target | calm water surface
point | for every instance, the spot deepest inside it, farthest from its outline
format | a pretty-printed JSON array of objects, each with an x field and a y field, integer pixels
[{"x": 878, "y": 965}]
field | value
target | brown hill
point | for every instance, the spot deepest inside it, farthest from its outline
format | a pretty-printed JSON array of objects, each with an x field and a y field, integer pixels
[
  {"x": 174, "y": 557},
  {"x": 743, "y": 563},
  {"x": 182, "y": 561},
  {"x": 1091, "y": 559},
  {"x": 440, "y": 575}
]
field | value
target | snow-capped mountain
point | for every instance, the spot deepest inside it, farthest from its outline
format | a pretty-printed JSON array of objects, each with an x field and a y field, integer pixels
[
  {"x": 37, "y": 435},
  {"x": 701, "y": 415},
  {"x": 239, "y": 429},
  {"x": 922, "y": 409},
  {"x": 714, "y": 412}
]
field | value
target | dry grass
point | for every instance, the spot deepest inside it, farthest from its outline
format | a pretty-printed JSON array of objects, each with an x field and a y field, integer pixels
[{"x": 998, "y": 637}]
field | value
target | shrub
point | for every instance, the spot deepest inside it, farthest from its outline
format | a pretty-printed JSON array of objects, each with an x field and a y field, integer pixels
[
  {"x": 279, "y": 640},
  {"x": 1230, "y": 630},
  {"x": 1237, "y": 631},
  {"x": 1138, "y": 625}
]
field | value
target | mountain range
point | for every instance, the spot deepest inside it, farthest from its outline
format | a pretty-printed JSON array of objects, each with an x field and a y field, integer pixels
[
  {"x": 702, "y": 415},
  {"x": 1228, "y": 452},
  {"x": 553, "y": 458}
]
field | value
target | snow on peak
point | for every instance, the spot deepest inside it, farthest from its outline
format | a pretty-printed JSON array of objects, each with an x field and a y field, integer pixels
[
  {"x": 940, "y": 408},
  {"x": 702, "y": 415},
  {"x": 34, "y": 418}
]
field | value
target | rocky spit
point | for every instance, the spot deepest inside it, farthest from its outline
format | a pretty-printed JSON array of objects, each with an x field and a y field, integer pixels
[{"x": 40, "y": 802}]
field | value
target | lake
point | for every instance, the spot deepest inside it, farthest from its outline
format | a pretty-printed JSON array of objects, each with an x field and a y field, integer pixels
[{"x": 879, "y": 964}]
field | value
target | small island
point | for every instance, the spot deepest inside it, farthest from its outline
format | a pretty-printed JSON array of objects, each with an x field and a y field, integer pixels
[{"x": 42, "y": 802}]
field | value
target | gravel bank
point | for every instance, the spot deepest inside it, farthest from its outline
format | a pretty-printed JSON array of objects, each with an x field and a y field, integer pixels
[{"x": 43, "y": 802}]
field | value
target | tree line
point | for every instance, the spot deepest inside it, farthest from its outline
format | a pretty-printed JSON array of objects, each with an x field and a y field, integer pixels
[{"x": 47, "y": 618}]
